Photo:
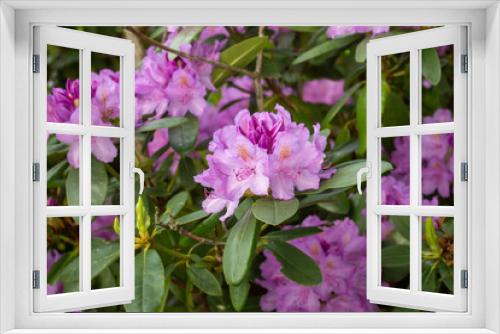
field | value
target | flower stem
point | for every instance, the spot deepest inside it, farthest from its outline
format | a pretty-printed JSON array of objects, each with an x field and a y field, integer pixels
[
  {"x": 259, "y": 93},
  {"x": 225, "y": 66}
]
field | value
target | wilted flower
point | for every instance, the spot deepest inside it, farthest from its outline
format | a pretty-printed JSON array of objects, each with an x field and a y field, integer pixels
[
  {"x": 340, "y": 253},
  {"x": 261, "y": 151}
]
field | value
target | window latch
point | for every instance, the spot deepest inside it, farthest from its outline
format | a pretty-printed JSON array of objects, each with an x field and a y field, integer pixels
[
  {"x": 359, "y": 175},
  {"x": 134, "y": 170}
]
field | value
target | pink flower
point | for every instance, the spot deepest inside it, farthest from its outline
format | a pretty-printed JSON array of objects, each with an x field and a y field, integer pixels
[
  {"x": 324, "y": 91},
  {"x": 340, "y": 253},
  {"x": 185, "y": 93},
  {"x": 338, "y": 31},
  {"x": 260, "y": 151}
]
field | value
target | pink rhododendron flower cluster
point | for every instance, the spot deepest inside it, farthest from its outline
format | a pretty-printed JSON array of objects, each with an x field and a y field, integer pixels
[
  {"x": 338, "y": 31},
  {"x": 340, "y": 252},
  {"x": 324, "y": 91},
  {"x": 63, "y": 107},
  {"x": 261, "y": 153}
]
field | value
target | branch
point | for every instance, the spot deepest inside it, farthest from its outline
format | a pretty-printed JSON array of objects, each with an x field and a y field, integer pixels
[
  {"x": 186, "y": 233},
  {"x": 277, "y": 90},
  {"x": 259, "y": 93},
  {"x": 225, "y": 66}
]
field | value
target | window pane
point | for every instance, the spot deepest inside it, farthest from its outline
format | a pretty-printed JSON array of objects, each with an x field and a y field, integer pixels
[
  {"x": 105, "y": 254},
  {"x": 63, "y": 88},
  {"x": 63, "y": 265},
  {"x": 395, "y": 235},
  {"x": 437, "y": 254},
  {"x": 395, "y": 186},
  {"x": 395, "y": 89},
  {"x": 437, "y": 169},
  {"x": 63, "y": 173},
  {"x": 437, "y": 84},
  {"x": 105, "y": 171},
  {"x": 105, "y": 89}
]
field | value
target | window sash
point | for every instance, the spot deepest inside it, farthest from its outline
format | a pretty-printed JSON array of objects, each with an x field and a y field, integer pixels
[
  {"x": 86, "y": 43},
  {"x": 414, "y": 43}
]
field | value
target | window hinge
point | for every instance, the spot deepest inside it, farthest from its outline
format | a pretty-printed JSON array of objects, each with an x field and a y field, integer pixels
[
  {"x": 464, "y": 171},
  {"x": 36, "y": 63},
  {"x": 464, "y": 279},
  {"x": 465, "y": 63},
  {"x": 36, "y": 172},
  {"x": 36, "y": 279}
]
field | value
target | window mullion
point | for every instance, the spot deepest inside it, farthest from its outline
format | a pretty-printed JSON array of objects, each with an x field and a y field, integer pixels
[
  {"x": 85, "y": 172},
  {"x": 415, "y": 234}
]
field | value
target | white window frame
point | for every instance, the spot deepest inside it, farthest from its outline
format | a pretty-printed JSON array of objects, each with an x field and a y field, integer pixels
[
  {"x": 86, "y": 44},
  {"x": 413, "y": 44},
  {"x": 16, "y": 214}
]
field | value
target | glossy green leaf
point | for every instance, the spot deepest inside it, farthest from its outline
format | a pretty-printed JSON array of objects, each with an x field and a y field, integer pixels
[
  {"x": 202, "y": 229},
  {"x": 185, "y": 36},
  {"x": 339, "y": 205},
  {"x": 238, "y": 55},
  {"x": 274, "y": 212},
  {"x": 239, "y": 295},
  {"x": 164, "y": 123},
  {"x": 431, "y": 66},
  {"x": 345, "y": 176},
  {"x": 337, "y": 107},
  {"x": 295, "y": 264},
  {"x": 402, "y": 225},
  {"x": 149, "y": 282},
  {"x": 360, "y": 53},
  {"x": 295, "y": 233},
  {"x": 204, "y": 280},
  {"x": 191, "y": 217},
  {"x": 318, "y": 198},
  {"x": 330, "y": 46},
  {"x": 177, "y": 203},
  {"x": 243, "y": 207},
  {"x": 239, "y": 249},
  {"x": 396, "y": 256},
  {"x": 429, "y": 278},
  {"x": 342, "y": 152},
  {"x": 182, "y": 138},
  {"x": 103, "y": 254},
  {"x": 99, "y": 185},
  {"x": 395, "y": 110},
  {"x": 55, "y": 170},
  {"x": 187, "y": 171},
  {"x": 361, "y": 120}
]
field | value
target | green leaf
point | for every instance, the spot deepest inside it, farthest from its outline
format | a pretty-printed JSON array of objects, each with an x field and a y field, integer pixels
[
  {"x": 345, "y": 176},
  {"x": 204, "y": 280},
  {"x": 446, "y": 274},
  {"x": 164, "y": 123},
  {"x": 177, "y": 203},
  {"x": 295, "y": 264},
  {"x": 431, "y": 66},
  {"x": 339, "y": 205},
  {"x": 274, "y": 212},
  {"x": 204, "y": 228},
  {"x": 402, "y": 225},
  {"x": 191, "y": 217},
  {"x": 239, "y": 249},
  {"x": 59, "y": 267},
  {"x": 239, "y": 55},
  {"x": 360, "y": 53},
  {"x": 187, "y": 171},
  {"x": 304, "y": 28},
  {"x": 395, "y": 111},
  {"x": 429, "y": 278},
  {"x": 330, "y": 46},
  {"x": 73, "y": 186},
  {"x": 325, "y": 123},
  {"x": 102, "y": 255},
  {"x": 183, "y": 137},
  {"x": 55, "y": 170},
  {"x": 243, "y": 208},
  {"x": 99, "y": 182},
  {"x": 239, "y": 295},
  {"x": 361, "y": 120},
  {"x": 149, "y": 282},
  {"x": 396, "y": 256},
  {"x": 185, "y": 36},
  {"x": 285, "y": 235},
  {"x": 318, "y": 198},
  {"x": 343, "y": 151}
]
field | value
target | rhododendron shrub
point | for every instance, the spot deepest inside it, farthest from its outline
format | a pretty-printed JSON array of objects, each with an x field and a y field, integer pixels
[{"x": 250, "y": 138}]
